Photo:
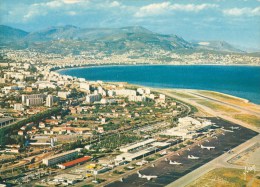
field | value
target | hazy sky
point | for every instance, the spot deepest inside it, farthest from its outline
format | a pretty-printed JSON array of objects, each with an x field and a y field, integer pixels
[{"x": 235, "y": 21}]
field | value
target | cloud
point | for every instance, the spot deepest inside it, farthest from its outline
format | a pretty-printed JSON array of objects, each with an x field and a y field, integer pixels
[
  {"x": 72, "y": 1},
  {"x": 192, "y": 7},
  {"x": 242, "y": 11},
  {"x": 53, "y": 4},
  {"x": 153, "y": 9},
  {"x": 115, "y": 4},
  {"x": 72, "y": 13},
  {"x": 161, "y": 8}
]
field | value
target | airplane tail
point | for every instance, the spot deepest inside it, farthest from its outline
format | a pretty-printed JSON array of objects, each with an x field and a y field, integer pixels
[{"x": 139, "y": 174}]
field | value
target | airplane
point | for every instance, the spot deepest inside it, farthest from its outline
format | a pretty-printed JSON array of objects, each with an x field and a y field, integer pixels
[
  {"x": 193, "y": 157},
  {"x": 207, "y": 147},
  {"x": 166, "y": 159},
  {"x": 188, "y": 149},
  {"x": 163, "y": 153},
  {"x": 235, "y": 128},
  {"x": 148, "y": 177},
  {"x": 141, "y": 163},
  {"x": 174, "y": 163},
  {"x": 178, "y": 154},
  {"x": 226, "y": 130}
]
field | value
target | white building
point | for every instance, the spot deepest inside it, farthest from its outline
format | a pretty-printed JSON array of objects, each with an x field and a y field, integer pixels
[
  {"x": 49, "y": 101},
  {"x": 63, "y": 95},
  {"x": 84, "y": 86},
  {"x": 34, "y": 101},
  {"x": 92, "y": 98},
  {"x": 60, "y": 158},
  {"x": 187, "y": 128},
  {"x": 18, "y": 106},
  {"x": 125, "y": 92},
  {"x": 136, "y": 146},
  {"x": 33, "y": 96},
  {"x": 137, "y": 98}
]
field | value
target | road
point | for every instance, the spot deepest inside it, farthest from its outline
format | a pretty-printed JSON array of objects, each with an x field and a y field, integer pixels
[{"x": 219, "y": 162}]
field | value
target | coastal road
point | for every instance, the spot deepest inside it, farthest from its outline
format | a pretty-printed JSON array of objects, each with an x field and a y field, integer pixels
[{"x": 218, "y": 162}]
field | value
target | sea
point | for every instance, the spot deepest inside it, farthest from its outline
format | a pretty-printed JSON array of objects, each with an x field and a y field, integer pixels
[{"x": 240, "y": 81}]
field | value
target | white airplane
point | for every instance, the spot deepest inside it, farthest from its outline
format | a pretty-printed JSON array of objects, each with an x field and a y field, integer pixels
[
  {"x": 148, "y": 177},
  {"x": 193, "y": 157},
  {"x": 226, "y": 130},
  {"x": 163, "y": 153},
  {"x": 235, "y": 128},
  {"x": 207, "y": 147},
  {"x": 174, "y": 163},
  {"x": 141, "y": 163}
]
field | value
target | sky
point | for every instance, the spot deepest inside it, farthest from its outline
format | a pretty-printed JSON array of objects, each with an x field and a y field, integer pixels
[{"x": 234, "y": 21}]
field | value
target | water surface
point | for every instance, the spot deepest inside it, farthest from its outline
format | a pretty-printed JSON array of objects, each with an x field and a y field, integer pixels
[{"x": 241, "y": 81}]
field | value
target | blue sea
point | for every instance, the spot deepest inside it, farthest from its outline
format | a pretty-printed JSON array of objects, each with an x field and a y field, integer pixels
[{"x": 240, "y": 81}]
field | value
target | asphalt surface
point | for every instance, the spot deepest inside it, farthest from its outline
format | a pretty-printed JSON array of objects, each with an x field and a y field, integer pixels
[{"x": 168, "y": 173}]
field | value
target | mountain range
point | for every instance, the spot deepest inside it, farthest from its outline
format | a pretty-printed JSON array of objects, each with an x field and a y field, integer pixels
[{"x": 72, "y": 39}]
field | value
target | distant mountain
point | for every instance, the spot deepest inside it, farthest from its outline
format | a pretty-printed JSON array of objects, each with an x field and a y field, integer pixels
[
  {"x": 217, "y": 46},
  {"x": 72, "y": 39},
  {"x": 9, "y": 34}
]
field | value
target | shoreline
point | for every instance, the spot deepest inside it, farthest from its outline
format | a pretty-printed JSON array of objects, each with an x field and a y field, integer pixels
[
  {"x": 150, "y": 64},
  {"x": 246, "y": 100}
]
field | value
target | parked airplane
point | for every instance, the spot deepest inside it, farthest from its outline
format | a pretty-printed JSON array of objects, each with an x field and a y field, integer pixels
[
  {"x": 148, "y": 177},
  {"x": 235, "y": 128},
  {"x": 193, "y": 157},
  {"x": 174, "y": 163},
  {"x": 226, "y": 130},
  {"x": 141, "y": 163},
  {"x": 163, "y": 153},
  {"x": 207, "y": 147}
]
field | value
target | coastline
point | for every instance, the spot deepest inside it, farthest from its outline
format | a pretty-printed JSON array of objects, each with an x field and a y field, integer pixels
[
  {"x": 149, "y": 64},
  {"x": 244, "y": 99}
]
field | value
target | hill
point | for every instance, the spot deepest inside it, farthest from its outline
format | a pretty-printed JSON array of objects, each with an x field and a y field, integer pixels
[{"x": 72, "y": 39}]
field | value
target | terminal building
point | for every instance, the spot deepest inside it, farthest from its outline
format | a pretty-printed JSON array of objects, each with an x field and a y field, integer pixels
[
  {"x": 139, "y": 150},
  {"x": 60, "y": 158},
  {"x": 188, "y": 128}
]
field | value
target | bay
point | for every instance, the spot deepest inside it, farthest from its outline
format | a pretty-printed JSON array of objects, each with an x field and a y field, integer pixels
[{"x": 240, "y": 81}]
